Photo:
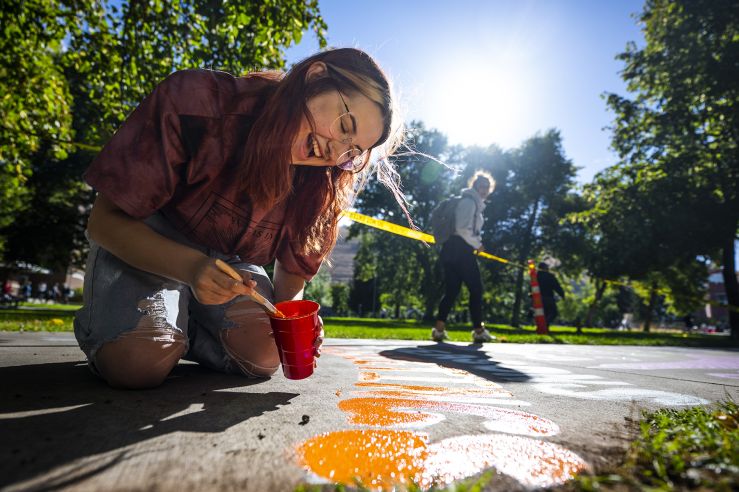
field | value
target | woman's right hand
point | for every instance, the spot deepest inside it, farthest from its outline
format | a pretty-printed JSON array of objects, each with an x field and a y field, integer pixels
[{"x": 212, "y": 286}]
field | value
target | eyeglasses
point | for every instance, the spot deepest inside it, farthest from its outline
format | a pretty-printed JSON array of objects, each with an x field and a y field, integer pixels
[{"x": 342, "y": 129}]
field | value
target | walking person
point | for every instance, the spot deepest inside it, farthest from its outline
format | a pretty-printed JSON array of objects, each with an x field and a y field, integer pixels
[
  {"x": 246, "y": 170},
  {"x": 548, "y": 286},
  {"x": 459, "y": 261}
]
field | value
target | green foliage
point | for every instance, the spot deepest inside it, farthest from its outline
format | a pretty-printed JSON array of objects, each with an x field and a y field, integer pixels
[
  {"x": 405, "y": 270},
  {"x": 672, "y": 202},
  {"x": 319, "y": 288},
  {"x": 691, "y": 449},
  {"x": 70, "y": 72},
  {"x": 35, "y": 101},
  {"x": 340, "y": 298}
]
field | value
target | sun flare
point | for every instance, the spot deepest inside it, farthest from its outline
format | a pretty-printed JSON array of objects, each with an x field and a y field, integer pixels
[{"x": 482, "y": 106}]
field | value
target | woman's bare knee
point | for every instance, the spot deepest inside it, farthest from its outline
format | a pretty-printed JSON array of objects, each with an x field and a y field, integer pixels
[
  {"x": 252, "y": 349},
  {"x": 136, "y": 363}
]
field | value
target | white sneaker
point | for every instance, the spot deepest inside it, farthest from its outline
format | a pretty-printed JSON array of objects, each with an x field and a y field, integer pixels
[
  {"x": 438, "y": 335},
  {"x": 482, "y": 336}
]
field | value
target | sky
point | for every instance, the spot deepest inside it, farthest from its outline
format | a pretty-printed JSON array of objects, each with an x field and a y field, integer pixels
[{"x": 494, "y": 71}]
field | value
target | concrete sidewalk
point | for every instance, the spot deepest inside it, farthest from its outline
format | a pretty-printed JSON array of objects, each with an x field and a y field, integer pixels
[{"x": 445, "y": 411}]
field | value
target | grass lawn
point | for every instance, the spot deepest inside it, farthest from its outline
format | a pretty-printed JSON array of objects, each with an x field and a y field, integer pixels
[
  {"x": 691, "y": 449},
  {"x": 58, "y": 317},
  {"x": 414, "y": 330}
]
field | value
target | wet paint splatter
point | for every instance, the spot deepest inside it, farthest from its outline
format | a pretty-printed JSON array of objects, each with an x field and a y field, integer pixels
[
  {"x": 532, "y": 462},
  {"x": 385, "y": 459},
  {"x": 375, "y": 458},
  {"x": 384, "y": 412},
  {"x": 434, "y": 390}
]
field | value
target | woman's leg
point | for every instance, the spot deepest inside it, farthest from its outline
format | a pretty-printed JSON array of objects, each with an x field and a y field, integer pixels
[
  {"x": 452, "y": 284},
  {"x": 472, "y": 279},
  {"x": 133, "y": 325},
  {"x": 250, "y": 344},
  {"x": 235, "y": 337},
  {"x": 139, "y": 358}
]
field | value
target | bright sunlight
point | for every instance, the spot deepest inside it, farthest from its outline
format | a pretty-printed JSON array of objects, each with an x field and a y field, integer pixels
[{"x": 483, "y": 105}]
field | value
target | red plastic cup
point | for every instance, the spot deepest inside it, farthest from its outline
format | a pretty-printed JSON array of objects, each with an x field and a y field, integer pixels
[{"x": 294, "y": 336}]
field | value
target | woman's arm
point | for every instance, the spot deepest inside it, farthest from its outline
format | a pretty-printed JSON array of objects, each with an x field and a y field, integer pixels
[
  {"x": 288, "y": 286},
  {"x": 137, "y": 244}
]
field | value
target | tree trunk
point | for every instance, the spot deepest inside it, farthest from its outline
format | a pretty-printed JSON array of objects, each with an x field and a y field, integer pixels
[
  {"x": 516, "y": 314},
  {"x": 650, "y": 309},
  {"x": 731, "y": 287},
  {"x": 600, "y": 288}
]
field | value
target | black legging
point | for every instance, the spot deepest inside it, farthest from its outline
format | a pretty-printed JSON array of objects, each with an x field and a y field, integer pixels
[{"x": 460, "y": 265}]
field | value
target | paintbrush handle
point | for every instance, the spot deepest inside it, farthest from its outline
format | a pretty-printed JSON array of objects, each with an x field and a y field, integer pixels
[{"x": 228, "y": 270}]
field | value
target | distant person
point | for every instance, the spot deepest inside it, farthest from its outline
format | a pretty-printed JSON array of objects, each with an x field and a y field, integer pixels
[
  {"x": 56, "y": 293},
  {"x": 41, "y": 291},
  {"x": 689, "y": 321},
  {"x": 459, "y": 261},
  {"x": 548, "y": 285},
  {"x": 67, "y": 294},
  {"x": 27, "y": 290}
]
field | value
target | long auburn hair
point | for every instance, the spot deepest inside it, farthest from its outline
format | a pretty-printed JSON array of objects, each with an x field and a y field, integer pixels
[{"x": 316, "y": 195}]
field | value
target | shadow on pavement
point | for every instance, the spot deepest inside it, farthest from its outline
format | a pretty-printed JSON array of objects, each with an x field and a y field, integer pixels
[
  {"x": 53, "y": 414},
  {"x": 469, "y": 358}
]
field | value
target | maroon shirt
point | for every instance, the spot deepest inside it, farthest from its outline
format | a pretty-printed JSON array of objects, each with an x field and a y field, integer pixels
[{"x": 179, "y": 153}]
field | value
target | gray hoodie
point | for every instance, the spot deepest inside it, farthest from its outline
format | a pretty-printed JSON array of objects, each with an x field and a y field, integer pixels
[{"x": 468, "y": 217}]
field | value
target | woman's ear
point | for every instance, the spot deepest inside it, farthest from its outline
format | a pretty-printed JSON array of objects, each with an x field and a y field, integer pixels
[{"x": 317, "y": 70}]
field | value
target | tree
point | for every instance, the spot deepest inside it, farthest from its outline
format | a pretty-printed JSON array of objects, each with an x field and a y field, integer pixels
[
  {"x": 407, "y": 268},
  {"x": 677, "y": 140},
  {"x": 35, "y": 105},
  {"x": 319, "y": 288},
  {"x": 71, "y": 70},
  {"x": 340, "y": 298},
  {"x": 533, "y": 187}
]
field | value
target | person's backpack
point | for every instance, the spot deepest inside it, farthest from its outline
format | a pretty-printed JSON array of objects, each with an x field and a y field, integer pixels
[{"x": 442, "y": 219}]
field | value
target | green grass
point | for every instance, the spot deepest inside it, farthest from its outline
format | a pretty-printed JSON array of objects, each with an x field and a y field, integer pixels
[
  {"x": 38, "y": 317},
  {"x": 691, "y": 449},
  {"x": 476, "y": 484},
  {"x": 54, "y": 307},
  {"x": 413, "y": 330},
  {"x": 58, "y": 317}
]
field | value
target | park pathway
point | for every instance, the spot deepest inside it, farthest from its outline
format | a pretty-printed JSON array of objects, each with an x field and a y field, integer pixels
[{"x": 410, "y": 411}]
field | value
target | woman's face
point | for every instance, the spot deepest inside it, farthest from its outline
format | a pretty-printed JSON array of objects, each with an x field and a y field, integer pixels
[{"x": 321, "y": 144}]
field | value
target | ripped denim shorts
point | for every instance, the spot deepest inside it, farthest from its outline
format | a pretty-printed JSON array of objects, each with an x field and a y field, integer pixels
[{"x": 118, "y": 296}]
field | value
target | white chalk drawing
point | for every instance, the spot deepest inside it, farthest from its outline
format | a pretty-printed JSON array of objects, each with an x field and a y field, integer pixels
[{"x": 561, "y": 382}]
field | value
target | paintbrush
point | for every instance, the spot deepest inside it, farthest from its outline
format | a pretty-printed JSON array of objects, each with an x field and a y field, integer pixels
[{"x": 228, "y": 270}]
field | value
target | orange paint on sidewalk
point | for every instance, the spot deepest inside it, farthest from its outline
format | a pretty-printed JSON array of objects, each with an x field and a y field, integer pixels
[
  {"x": 382, "y": 459},
  {"x": 384, "y": 412},
  {"x": 375, "y": 458},
  {"x": 433, "y": 390}
]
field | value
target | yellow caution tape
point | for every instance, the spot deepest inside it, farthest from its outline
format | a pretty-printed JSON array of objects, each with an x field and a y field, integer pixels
[
  {"x": 483, "y": 254},
  {"x": 389, "y": 227},
  {"x": 409, "y": 233},
  {"x": 428, "y": 238}
]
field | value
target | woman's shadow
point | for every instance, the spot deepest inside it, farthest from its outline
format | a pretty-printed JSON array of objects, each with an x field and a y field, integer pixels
[{"x": 53, "y": 414}]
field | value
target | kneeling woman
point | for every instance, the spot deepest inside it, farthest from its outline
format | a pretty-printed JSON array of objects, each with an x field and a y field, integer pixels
[{"x": 248, "y": 170}]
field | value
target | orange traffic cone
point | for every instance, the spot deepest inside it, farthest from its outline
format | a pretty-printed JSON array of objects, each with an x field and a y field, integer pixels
[{"x": 541, "y": 321}]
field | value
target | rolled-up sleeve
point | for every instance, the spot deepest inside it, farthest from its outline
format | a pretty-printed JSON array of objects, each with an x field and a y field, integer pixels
[
  {"x": 293, "y": 261},
  {"x": 139, "y": 168}
]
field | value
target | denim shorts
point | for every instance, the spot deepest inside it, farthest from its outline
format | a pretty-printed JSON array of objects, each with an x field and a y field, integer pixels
[{"x": 117, "y": 296}]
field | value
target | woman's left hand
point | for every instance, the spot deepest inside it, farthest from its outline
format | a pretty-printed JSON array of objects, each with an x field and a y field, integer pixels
[{"x": 319, "y": 337}]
